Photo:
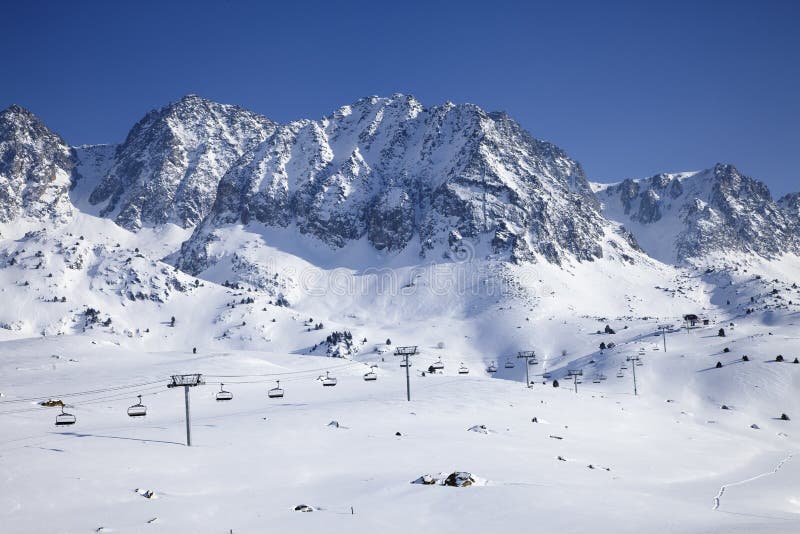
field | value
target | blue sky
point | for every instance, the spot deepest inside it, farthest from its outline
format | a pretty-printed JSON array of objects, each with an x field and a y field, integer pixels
[{"x": 627, "y": 88}]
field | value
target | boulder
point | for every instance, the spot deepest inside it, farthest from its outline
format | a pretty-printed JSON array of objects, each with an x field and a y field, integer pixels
[{"x": 459, "y": 479}]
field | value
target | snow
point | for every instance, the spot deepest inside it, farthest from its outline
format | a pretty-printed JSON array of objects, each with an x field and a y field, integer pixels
[{"x": 684, "y": 465}]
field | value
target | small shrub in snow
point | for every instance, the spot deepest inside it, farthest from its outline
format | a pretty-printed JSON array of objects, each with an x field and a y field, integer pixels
[
  {"x": 784, "y": 417},
  {"x": 779, "y": 358},
  {"x": 719, "y": 365}
]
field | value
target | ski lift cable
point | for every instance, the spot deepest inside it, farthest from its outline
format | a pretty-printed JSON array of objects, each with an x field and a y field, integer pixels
[
  {"x": 326, "y": 368},
  {"x": 81, "y": 393},
  {"x": 311, "y": 375},
  {"x": 117, "y": 396}
]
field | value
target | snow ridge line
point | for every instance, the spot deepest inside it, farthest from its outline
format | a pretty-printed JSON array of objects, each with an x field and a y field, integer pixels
[{"x": 722, "y": 489}]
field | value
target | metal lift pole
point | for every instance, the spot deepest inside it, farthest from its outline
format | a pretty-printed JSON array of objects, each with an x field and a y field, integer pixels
[
  {"x": 188, "y": 424},
  {"x": 405, "y": 352},
  {"x": 525, "y": 354},
  {"x": 186, "y": 382},
  {"x": 408, "y": 381}
]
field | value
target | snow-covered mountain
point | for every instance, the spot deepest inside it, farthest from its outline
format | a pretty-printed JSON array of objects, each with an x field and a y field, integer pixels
[
  {"x": 35, "y": 169},
  {"x": 317, "y": 247},
  {"x": 689, "y": 216},
  {"x": 169, "y": 167},
  {"x": 401, "y": 175}
]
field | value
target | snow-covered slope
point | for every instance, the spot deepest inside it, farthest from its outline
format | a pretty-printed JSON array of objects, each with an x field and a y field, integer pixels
[
  {"x": 688, "y": 216},
  {"x": 168, "y": 169}
]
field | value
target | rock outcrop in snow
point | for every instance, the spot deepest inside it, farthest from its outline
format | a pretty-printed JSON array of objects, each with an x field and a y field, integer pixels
[
  {"x": 35, "y": 169},
  {"x": 169, "y": 167}
]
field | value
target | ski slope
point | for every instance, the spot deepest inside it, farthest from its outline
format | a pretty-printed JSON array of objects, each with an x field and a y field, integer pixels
[{"x": 668, "y": 460}]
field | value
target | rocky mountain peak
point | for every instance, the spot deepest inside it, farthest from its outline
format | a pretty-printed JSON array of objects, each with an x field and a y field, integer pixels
[
  {"x": 401, "y": 175},
  {"x": 169, "y": 167},
  {"x": 35, "y": 168},
  {"x": 686, "y": 216}
]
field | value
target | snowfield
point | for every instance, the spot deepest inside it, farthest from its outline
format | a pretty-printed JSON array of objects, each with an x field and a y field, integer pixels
[{"x": 599, "y": 460}]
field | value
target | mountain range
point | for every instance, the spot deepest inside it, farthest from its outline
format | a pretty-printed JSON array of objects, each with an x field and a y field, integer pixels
[{"x": 436, "y": 181}]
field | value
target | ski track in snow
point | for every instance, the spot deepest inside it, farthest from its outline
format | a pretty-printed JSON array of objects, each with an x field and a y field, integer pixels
[{"x": 718, "y": 498}]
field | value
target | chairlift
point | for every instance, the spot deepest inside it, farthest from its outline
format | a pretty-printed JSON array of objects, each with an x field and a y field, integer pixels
[
  {"x": 65, "y": 418},
  {"x": 463, "y": 370},
  {"x": 328, "y": 380},
  {"x": 546, "y": 375},
  {"x": 623, "y": 367},
  {"x": 276, "y": 392},
  {"x": 405, "y": 363},
  {"x": 596, "y": 379},
  {"x": 437, "y": 365},
  {"x": 509, "y": 364},
  {"x": 639, "y": 363},
  {"x": 492, "y": 368},
  {"x": 532, "y": 361},
  {"x": 138, "y": 409},
  {"x": 620, "y": 375},
  {"x": 223, "y": 395},
  {"x": 371, "y": 376}
]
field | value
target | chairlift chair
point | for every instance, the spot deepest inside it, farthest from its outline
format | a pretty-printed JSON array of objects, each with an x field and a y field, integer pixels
[
  {"x": 492, "y": 368},
  {"x": 509, "y": 364},
  {"x": 596, "y": 379},
  {"x": 276, "y": 392},
  {"x": 532, "y": 361},
  {"x": 371, "y": 376},
  {"x": 620, "y": 375},
  {"x": 438, "y": 365},
  {"x": 328, "y": 381},
  {"x": 463, "y": 370},
  {"x": 65, "y": 418},
  {"x": 405, "y": 363},
  {"x": 138, "y": 409},
  {"x": 223, "y": 395}
]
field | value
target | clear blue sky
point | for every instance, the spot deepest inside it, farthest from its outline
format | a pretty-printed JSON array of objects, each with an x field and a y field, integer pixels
[{"x": 627, "y": 88}]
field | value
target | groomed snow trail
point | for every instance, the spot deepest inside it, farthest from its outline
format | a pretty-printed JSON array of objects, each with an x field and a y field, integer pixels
[{"x": 718, "y": 498}]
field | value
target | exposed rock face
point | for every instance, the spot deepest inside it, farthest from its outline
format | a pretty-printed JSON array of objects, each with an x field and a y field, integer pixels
[
  {"x": 169, "y": 167},
  {"x": 680, "y": 217},
  {"x": 402, "y": 175},
  {"x": 35, "y": 169},
  {"x": 790, "y": 205}
]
